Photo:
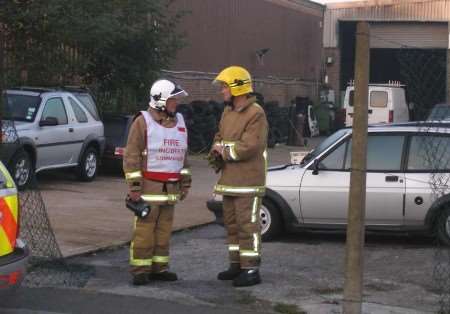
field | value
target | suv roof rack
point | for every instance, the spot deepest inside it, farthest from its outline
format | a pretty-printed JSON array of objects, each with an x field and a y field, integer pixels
[
  {"x": 39, "y": 89},
  {"x": 388, "y": 84}
]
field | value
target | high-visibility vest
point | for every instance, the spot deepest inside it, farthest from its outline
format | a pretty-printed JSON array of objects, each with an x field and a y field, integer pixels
[
  {"x": 9, "y": 211},
  {"x": 166, "y": 149}
]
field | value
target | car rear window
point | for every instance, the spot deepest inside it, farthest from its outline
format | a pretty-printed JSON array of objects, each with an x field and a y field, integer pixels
[
  {"x": 79, "y": 113},
  {"x": 89, "y": 104},
  {"x": 21, "y": 107},
  {"x": 351, "y": 98},
  {"x": 430, "y": 153},
  {"x": 378, "y": 99}
]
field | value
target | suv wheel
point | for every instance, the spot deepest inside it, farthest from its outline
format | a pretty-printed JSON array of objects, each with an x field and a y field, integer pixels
[
  {"x": 87, "y": 169},
  {"x": 443, "y": 226},
  {"x": 21, "y": 168},
  {"x": 270, "y": 220}
]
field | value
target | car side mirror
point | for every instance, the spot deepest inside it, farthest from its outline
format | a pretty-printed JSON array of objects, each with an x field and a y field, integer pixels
[
  {"x": 315, "y": 167},
  {"x": 49, "y": 121}
]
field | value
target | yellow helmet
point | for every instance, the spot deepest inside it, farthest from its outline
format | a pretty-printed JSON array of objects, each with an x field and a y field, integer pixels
[{"x": 237, "y": 78}]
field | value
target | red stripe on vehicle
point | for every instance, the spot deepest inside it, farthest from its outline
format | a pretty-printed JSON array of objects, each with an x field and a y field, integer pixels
[{"x": 8, "y": 223}]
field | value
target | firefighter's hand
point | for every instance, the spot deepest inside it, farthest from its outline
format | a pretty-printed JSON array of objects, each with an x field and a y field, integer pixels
[
  {"x": 215, "y": 161},
  {"x": 135, "y": 196},
  {"x": 218, "y": 149}
]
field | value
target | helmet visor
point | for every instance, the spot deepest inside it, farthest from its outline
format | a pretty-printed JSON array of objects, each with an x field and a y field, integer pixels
[{"x": 178, "y": 92}]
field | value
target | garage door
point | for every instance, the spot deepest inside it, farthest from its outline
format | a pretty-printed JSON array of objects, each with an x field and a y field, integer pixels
[{"x": 398, "y": 35}]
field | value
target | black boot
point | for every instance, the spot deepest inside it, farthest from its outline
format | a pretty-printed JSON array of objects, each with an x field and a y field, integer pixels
[
  {"x": 247, "y": 277},
  {"x": 140, "y": 279},
  {"x": 232, "y": 272},
  {"x": 164, "y": 276}
]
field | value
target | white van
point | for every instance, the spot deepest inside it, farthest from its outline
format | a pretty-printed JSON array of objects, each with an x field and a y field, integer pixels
[{"x": 387, "y": 104}]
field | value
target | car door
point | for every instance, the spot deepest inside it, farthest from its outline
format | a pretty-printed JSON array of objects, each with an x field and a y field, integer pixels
[
  {"x": 54, "y": 142},
  {"x": 385, "y": 178},
  {"x": 427, "y": 174},
  {"x": 324, "y": 194},
  {"x": 81, "y": 127}
]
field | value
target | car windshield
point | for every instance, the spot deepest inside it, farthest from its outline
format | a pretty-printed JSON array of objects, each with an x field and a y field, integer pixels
[
  {"x": 439, "y": 112},
  {"x": 21, "y": 107},
  {"x": 325, "y": 144}
]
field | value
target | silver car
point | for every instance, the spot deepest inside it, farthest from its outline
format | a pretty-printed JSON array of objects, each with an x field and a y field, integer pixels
[
  {"x": 408, "y": 172},
  {"x": 56, "y": 128}
]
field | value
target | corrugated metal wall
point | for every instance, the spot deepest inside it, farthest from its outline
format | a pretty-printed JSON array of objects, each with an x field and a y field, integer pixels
[
  {"x": 382, "y": 10},
  {"x": 221, "y": 33},
  {"x": 400, "y": 35}
]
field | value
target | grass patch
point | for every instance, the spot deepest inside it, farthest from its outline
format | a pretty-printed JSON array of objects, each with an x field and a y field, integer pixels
[{"x": 284, "y": 308}]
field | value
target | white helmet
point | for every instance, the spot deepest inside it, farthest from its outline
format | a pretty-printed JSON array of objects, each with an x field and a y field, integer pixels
[{"x": 161, "y": 91}]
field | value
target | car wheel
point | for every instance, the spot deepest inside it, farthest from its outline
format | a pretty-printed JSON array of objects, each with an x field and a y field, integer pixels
[
  {"x": 87, "y": 169},
  {"x": 443, "y": 226},
  {"x": 21, "y": 168},
  {"x": 270, "y": 220}
]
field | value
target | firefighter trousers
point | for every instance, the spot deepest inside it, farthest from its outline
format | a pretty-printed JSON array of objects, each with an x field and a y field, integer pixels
[
  {"x": 149, "y": 249},
  {"x": 241, "y": 217}
]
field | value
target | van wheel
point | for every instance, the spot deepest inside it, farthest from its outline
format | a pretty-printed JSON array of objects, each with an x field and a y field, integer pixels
[
  {"x": 443, "y": 226},
  {"x": 270, "y": 220},
  {"x": 87, "y": 169},
  {"x": 21, "y": 168}
]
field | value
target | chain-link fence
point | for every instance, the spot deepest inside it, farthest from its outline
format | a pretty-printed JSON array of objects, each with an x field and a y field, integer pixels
[
  {"x": 46, "y": 266},
  {"x": 427, "y": 159}
]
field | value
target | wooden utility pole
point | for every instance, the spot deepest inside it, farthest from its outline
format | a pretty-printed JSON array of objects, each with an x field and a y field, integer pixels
[
  {"x": 2, "y": 79},
  {"x": 353, "y": 287}
]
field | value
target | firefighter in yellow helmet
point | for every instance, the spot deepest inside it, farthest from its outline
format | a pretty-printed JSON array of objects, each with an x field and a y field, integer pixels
[
  {"x": 241, "y": 144},
  {"x": 156, "y": 171}
]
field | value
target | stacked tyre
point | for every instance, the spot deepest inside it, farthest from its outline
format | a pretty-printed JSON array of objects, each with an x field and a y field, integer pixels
[
  {"x": 277, "y": 118},
  {"x": 202, "y": 120}
]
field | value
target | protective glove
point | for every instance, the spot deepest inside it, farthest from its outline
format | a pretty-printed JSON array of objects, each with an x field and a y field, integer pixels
[{"x": 215, "y": 161}]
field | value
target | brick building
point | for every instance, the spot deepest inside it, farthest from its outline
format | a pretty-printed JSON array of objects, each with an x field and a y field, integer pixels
[{"x": 278, "y": 41}]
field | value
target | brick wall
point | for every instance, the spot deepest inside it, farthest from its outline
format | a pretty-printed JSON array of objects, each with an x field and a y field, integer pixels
[{"x": 333, "y": 70}]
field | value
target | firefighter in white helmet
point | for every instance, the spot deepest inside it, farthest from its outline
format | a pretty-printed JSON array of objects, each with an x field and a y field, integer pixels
[{"x": 156, "y": 171}]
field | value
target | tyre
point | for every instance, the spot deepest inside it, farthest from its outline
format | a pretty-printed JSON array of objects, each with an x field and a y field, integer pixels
[
  {"x": 443, "y": 226},
  {"x": 270, "y": 220},
  {"x": 21, "y": 169},
  {"x": 271, "y": 139},
  {"x": 88, "y": 167}
]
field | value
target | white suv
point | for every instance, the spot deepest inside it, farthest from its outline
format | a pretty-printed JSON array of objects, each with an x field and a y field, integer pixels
[{"x": 56, "y": 128}]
